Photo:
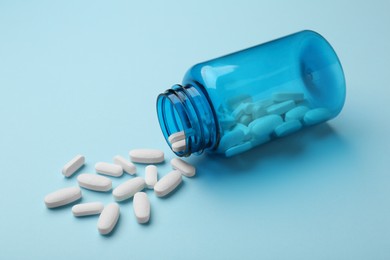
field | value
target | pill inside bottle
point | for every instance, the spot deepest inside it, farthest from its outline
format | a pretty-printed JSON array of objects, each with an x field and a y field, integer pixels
[{"x": 236, "y": 102}]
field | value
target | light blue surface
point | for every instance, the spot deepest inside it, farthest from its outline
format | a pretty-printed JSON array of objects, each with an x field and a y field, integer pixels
[{"x": 83, "y": 77}]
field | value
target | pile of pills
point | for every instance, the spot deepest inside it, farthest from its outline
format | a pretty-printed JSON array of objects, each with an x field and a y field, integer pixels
[
  {"x": 109, "y": 214},
  {"x": 246, "y": 124}
]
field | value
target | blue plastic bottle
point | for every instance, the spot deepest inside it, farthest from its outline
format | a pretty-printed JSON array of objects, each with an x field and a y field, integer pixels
[{"x": 233, "y": 103}]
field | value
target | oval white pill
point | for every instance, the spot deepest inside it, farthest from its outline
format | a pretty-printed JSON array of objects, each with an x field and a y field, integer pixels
[
  {"x": 108, "y": 218},
  {"x": 62, "y": 197},
  {"x": 316, "y": 116},
  {"x": 141, "y": 206},
  {"x": 127, "y": 189},
  {"x": 167, "y": 183},
  {"x": 176, "y": 137},
  {"x": 296, "y": 113},
  {"x": 288, "y": 128},
  {"x": 73, "y": 165},
  {"x": 94, "y": 182},
  {"x": 109, "y": 169},
  {"x": 150, "y": 176},
  {"x": 281, "y": 108},
  {"x": 184, "y": 167},
  {"x": 179, "y": 146},
  {"x": 230, "y": 139},
  {"x": 265, "y": 125},
  {"x": 127, "y": 166},
  {"x": 239, "y": 111},
  {"x": 146, "y": 156},
  {"x": 245, "y": 130},
  {"x": 87, "y": 209}
]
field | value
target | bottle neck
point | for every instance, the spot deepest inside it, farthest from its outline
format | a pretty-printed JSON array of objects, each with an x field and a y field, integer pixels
[{"x": 186, "y": 108}]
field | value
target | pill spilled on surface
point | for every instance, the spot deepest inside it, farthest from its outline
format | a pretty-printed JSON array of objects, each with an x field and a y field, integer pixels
[
  {"x": 94, "y": 182},
  {"x": 150, "y": 176},
  {"x": 167, "y": 183},
  {"x": 62, "y": 197},
  {"x": 73, "y": 165},
  {"x": 131, "y": 188},
  {"x": 109, "y": 169},
  {"x": 147, "y": 156},
  {"x": 127, "y": 166},
  {"x": 185, "y": 168},
  {"x": 127, "y": 189},
  {"x": 141, "y": 206},
  {"x": 87, "y": 209},
  {"x": 108, "y": 218}
]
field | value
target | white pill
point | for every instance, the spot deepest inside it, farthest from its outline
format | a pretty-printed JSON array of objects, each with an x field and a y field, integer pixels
[
  {"x": 297, "y": 113},
  {"x": 265, "y": 125},
  {"x": 62, "y": 197},
  {"x": 248, "y": 108},
  {"x": 94, "y": 182},
  {"x": 87, "y": 209},
  {"x": 179, "y": 146},
  {"x": 108, "y": 218},
  {"x": 150, "y": 176},
  {"x": 245, "y": 130},
  {"x": 176, "y": 137},
  {"x": 281, "y": 108},
  {"x": 109, "y": 169},
  {"x": 316, "y": 116},
  {"x": 259, "y": 108},
  {"x": 167, "y": 183},
  {"x": 287, "y": 128},
  {"x": 284, "y": 96},
  {"x": 230, "y": 139},
  {"x": 127, "y": 189},
  {"x": 127, "y": 166},
  {"x": 239, "y": 111},
  {"x": 73, "y": 165},
  {"x": 141, "y": 206},
  {"x": 184, "y": 167},
  {"x": 245, "y": 119},
  {"x": 238, "y": 149},
  {"x": 258, "y": 111},
  {"x": 146, "y": 156}
]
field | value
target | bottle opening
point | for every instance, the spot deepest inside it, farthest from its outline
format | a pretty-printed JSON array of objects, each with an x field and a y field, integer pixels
[{"x": 185, "y": 111}]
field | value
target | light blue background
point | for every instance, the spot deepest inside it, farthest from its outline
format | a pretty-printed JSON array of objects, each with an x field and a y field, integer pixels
[{"x": 83, "y": 76}]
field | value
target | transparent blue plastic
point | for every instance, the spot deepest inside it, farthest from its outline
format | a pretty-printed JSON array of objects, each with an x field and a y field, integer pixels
[{"x": 233, "y": 103}]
